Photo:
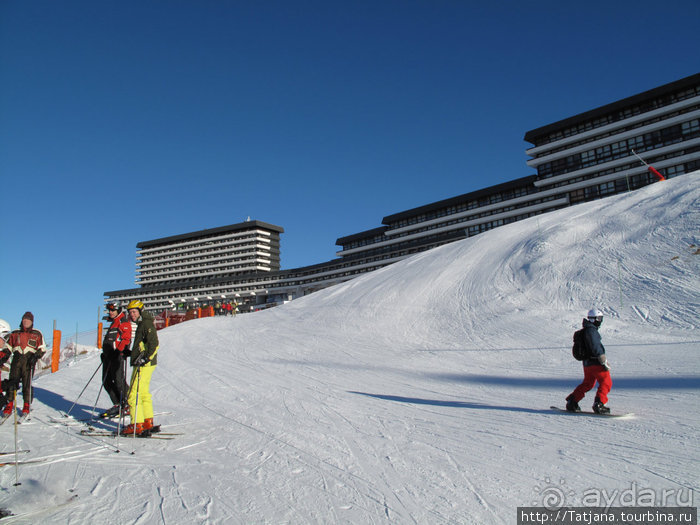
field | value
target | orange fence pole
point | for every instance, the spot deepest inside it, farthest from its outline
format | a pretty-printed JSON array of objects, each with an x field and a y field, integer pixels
[
  {"x": 55, "y": 350},
  {"x": 99, "y": 335}
]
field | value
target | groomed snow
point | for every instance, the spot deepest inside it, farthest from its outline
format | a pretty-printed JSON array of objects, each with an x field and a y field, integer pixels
[{"x": 418, "y": 393}]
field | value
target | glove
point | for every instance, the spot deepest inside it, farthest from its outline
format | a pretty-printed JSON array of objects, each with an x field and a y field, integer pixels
[
  {"x": 141, "y": 360},
  {"x": 604, "y": 361},
  {"x": 9, "y": 385}
]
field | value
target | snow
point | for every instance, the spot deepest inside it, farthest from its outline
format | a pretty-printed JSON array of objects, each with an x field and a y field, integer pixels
[{"x": 418, "y": 393}]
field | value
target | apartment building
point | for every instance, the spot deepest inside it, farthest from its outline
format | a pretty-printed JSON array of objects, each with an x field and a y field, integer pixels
[{"x": 581, "y": 158}]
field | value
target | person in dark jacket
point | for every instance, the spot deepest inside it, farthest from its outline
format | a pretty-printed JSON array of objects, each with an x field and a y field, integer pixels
[
  {"x": 27, "y": 346},
  {"x": 595, "y": 368},
  {"x": 5, "y": 355},
  {"x": 144, "y": 358},
  {"x": 115, "y": 344}
]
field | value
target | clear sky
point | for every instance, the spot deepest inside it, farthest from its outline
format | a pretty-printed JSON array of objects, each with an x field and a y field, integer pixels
[{"x": 125, "y": 121}]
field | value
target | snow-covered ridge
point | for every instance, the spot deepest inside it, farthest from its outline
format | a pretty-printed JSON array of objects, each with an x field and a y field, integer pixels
[
  {"x": 418, "y": 393},
  {"x": 625, "y": 254}
]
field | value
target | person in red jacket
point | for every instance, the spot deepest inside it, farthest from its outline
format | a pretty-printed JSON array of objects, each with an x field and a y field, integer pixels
[
  {"x": 115, "y": 344},
  {"x": 27, "y": 347}
]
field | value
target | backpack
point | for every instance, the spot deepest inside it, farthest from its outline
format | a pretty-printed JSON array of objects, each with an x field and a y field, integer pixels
[{"x": 580, "y": 349}]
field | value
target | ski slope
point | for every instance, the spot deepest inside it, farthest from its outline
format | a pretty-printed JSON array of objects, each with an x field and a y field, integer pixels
[{"x": 418, "y": 393}]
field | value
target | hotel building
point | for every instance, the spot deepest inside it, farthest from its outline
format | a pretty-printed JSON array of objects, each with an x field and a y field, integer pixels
[{"x": 581, "y": 158}]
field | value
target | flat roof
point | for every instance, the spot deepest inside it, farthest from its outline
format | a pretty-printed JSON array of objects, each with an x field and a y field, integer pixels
[
  {"x": 361, "y": 235},
  {"x": 678, "y": 85},
  {"x": 517, "y": 183},
  {"x": 241, "y": 226}
]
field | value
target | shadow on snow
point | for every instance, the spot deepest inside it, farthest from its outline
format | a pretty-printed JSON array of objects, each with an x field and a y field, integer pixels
[
  {"x": 77, "y": 410},
  {"x": 619, "y": 383},
  {"x": 452, "y": 404}
]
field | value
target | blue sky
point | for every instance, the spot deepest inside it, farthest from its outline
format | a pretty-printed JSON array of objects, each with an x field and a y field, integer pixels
[{"x": 128, "y": 121}]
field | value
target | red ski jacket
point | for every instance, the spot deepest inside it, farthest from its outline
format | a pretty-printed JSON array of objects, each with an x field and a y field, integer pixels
[
  {"x": 26, "y": 342},
  {"x": 118, "y": 334}
]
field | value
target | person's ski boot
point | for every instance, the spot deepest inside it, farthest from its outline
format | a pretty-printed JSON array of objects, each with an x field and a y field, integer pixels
[
  {"x": 8, "y": 408},
  {"x": 25, "y": 410},
  {"x": 571, "y": 405},
  {"x": 149, "y": 428},
  {"x": 111, "y": 412},
  {"x": 133, "y": 429},
  {"x": 600, "y": 408}
]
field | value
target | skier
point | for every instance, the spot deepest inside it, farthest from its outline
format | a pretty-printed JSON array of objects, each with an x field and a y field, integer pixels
[
  {"x": 595, "y": 368},
  {"x": 5, "y": 354},
  {"x": 116, "y": 342},
  {"x": 27, "y": 347},
  {"x": 5, "y": 330},
  {"x": 144, "y": 354}
]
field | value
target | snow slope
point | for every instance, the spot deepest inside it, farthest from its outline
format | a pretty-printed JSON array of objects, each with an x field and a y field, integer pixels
[{"x": 418, "y": 393}]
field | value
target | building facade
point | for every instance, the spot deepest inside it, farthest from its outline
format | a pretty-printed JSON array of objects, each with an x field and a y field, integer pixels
[
  {"x": 593, "y": 154},
  {"x": 171, "y": 271},
  {"x": 581, "y": 158},
  {"x": 247, "y": 247}
]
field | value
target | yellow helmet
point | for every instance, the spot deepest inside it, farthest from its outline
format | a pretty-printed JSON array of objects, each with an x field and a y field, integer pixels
[{"x": 135, "y": 304}]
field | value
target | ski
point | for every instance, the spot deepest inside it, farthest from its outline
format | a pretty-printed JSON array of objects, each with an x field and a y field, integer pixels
[
  {"x": 587, "y": 413},
  {"x": 129, "y": 436},
  {"x": 114, "y": 434},
  {"x": 69, "y": 421},
  {"x": 154, "y": 432},
  {"x": 65, "y": 418},
  {"x": 20, "y": 418},
  {"x": 24, "y": 462},
  {"x": 12, "y": 452},
  {"x": 11, "y": 517}
]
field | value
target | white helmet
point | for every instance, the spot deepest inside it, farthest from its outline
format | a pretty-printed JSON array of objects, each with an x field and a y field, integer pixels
[
  {"x": 595, "y": 316},
  {"x": 5, "y": 328}
]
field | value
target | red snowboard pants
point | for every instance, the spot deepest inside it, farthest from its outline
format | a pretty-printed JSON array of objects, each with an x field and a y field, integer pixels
[{"x": 591, "y": 375}]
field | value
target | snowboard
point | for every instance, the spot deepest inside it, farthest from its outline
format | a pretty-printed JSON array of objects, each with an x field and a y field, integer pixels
[{"x": 590, "y": 413}]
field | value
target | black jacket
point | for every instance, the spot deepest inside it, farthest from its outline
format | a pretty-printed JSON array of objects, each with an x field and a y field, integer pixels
[{"x": 593, "y": 343}]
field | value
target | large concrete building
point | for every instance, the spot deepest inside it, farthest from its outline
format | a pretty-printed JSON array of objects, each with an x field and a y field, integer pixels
[
  {"x": 243, "y": 248},
  {"x": 581, "y": 158}
]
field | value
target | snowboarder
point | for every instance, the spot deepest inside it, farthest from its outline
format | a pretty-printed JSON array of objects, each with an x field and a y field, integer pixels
[
  {"x": 27, "y": 347},
  {"x": 144, "y": 354},
  {"x": 116, "y": 342},
  {"x": 595, "y": 368}
]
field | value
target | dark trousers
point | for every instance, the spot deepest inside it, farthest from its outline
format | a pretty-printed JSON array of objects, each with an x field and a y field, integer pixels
[
  {"x": 22, "y": 369},
  {"x": 113, "y": 377}
]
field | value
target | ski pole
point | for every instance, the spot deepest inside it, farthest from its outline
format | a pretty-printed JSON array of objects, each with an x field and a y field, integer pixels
[
  {"x": 14, "y": 409},
  {"x": 84, "y": 388},
  {"x": 94, "y": 407},
  {"x": 121, "y": 402},
  {"x": 136, "y": 405}
]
